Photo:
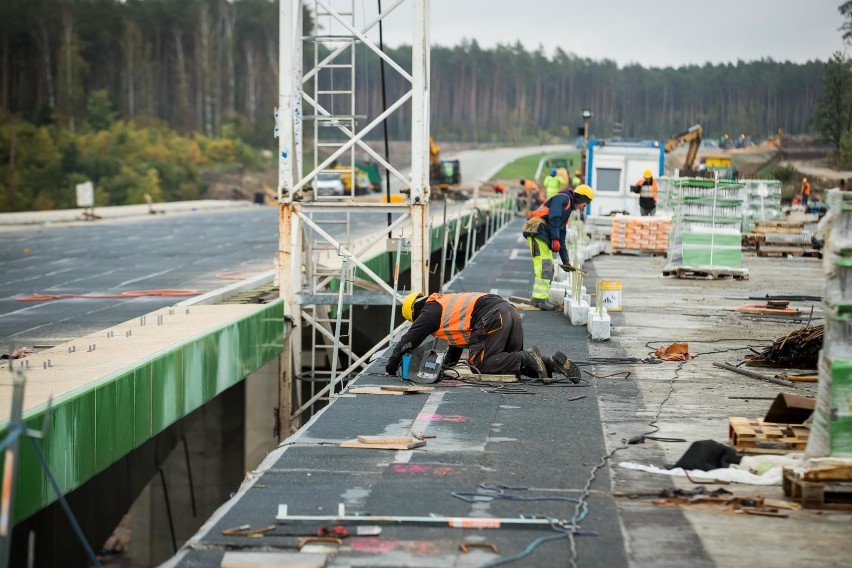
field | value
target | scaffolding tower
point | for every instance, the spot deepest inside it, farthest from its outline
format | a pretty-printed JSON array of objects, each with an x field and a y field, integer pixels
[{"x": 325, "y": 237}]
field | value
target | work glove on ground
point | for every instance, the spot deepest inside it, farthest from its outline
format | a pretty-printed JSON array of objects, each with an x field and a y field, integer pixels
[{"x": 554, "y": 245}]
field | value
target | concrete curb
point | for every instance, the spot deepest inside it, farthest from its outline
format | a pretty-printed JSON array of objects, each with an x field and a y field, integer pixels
[{"x": 118, "y": 211}]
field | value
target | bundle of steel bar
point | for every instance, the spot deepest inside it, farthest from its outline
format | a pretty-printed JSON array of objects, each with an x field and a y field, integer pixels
[{"x": 798, "y": 349}]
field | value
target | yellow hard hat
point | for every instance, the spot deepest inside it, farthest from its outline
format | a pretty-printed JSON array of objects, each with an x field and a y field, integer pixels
[
  {"x": 648, "y": 174},
  {"x": 576, "y": 172},
  {"x": 585, "y": 191},
  {"x": 408, "y": 305},
  {"x": 804, "y": 180}
]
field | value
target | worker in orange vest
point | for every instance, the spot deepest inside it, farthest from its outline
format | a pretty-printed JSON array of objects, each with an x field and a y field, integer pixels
[
  {"x": 806, "y": 191},
  {"x": 647, "y": 190},
  {"x": 486, "y": 324},
  {"x": 534, "y": 194},
  {"x": 545, "y": 231}
]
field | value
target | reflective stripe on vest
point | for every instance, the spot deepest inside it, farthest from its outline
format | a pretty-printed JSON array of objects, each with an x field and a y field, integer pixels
[
  {"x": 456, "y": 315},
  {"x": 543, "y": 210},
  {"x": 648, "y": 189}
]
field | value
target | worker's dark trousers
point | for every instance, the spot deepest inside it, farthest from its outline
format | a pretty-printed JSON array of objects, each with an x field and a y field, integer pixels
[{"x": 497, "y": 342}]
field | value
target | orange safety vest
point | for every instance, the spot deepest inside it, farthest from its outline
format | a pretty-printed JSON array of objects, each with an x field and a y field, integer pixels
[
  {"x": 456, "y": 314},
  {"x": 645, "y": 190},
  {"x": 806, "y": 188},
  {"x": 543, "y": 210}
]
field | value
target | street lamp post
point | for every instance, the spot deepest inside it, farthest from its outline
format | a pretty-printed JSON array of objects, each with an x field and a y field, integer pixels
[{"x": 587, "y": 115}]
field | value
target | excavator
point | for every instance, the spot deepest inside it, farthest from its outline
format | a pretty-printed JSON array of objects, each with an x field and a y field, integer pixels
[
  {"x": 693, "y": 136},
  {"x": 444, "y": 175}
]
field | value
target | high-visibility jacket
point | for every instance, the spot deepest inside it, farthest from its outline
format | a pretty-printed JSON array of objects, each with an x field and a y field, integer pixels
[
  {"x": 806, "y": 188},
  {"x": 456, "y": 315},
  {"x": 647, "y": 188},
  {"x": 552, "y": 185},
  {"x": 554, "y": 215}
]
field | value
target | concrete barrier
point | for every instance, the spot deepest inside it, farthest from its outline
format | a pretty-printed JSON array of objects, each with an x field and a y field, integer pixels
[{"x": 115, "y": 212}]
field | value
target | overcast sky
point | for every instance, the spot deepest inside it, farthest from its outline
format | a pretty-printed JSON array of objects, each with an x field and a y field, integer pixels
[{"x": 656, "y": 33}]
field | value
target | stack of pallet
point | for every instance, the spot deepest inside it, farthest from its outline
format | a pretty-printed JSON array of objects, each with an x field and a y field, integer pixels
[
  {"x": 705, "y": 240},
  {"x": 780, "y": 238},
  {"x": 648, "y": 235}
]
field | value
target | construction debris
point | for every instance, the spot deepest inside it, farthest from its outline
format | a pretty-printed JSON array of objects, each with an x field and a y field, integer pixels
[{"x": 799, "y": 349}]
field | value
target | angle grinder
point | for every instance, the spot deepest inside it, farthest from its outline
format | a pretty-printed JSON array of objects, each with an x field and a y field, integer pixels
[{"x": 426, "y": 363}]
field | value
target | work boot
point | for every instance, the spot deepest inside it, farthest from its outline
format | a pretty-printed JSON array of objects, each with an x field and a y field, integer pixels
[
  {"x": 561, "y": 364},
  {"x": 532, "y": 364},
  {"x": 543, "y": 305}
]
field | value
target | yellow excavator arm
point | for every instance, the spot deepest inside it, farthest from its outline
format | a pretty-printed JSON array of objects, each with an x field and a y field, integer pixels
[{"x": 693, "y": 136}]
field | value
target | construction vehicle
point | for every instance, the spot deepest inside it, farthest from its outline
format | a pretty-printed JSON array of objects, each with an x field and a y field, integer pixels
[
  {"x": 444, "y": 174},
  {"x": 362, "y": 180},
  {"x": 713, "y": 166},
  {"x": 692, "y": 136}
]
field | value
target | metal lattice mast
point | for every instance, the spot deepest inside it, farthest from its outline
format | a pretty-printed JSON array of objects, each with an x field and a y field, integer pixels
[{"x": 320, "y": 243}]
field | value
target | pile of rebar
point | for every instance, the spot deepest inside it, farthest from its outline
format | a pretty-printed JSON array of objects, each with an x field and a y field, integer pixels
[{"x": 798, "y": 349}]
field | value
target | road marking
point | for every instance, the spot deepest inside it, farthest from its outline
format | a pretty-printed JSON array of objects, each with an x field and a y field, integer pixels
[{"x": 126, "y": 282}]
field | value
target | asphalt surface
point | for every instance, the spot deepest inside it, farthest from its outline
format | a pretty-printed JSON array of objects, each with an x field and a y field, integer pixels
[
  {"x": 540, "y": 441},
  {"x": 111, "y": 257}
]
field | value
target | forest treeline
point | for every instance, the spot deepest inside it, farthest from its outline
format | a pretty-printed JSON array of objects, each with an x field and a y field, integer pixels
[
  {"x": 200, "y": 65},
  {"x": 209, "y": 69}
]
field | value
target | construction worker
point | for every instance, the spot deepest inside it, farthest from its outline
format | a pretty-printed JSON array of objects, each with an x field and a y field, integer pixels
[
  {"x": 576, "y": 181},
  {"x": 647, "y": 190},
  {"x": 545, "y": 231},
  {"x": 533, "y": 193},
  {"x": 489, "y": 326},
  {"x": 553, "y": 183},
  {"x": 806, "y": 191}
]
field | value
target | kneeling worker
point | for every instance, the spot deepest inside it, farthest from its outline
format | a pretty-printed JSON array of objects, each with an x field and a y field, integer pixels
[
  {"x": 488, "y": 325},
  {"x": 545, "y": 231}
]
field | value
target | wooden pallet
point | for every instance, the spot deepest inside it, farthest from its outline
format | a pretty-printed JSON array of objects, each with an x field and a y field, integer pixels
[
  {"x": 789, "y": 250},
  {"x": 759, "y": 437},
  {"x": 820, "y": 488},
  {"x": 752, "y": 240},
  {"x": 706, "y": 273},
  {"x": 639, "y": 252}
]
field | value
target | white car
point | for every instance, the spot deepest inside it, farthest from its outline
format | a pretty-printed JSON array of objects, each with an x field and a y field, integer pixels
[{"x": 329, "y": 184}]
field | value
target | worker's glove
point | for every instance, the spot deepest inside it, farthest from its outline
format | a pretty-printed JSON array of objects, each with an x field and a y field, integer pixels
[
  {"x": 554, "y": 245},
  {"x": 393, "y": 365},
  {"x": 567, "y": 267},
  {"x": 635, "y": 188}
]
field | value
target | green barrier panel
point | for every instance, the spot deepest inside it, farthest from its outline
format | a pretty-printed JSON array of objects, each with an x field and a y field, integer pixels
[{"x": 95, "y": 426}]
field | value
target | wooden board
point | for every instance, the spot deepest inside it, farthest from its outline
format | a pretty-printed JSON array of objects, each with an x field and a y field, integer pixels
[
  {"x": 392, "y": 390},
  {"x": 374, "y": 390},
  {"x": 233, "y": 559},
  {"x": 792, "y": 312},
  {"x": 407, "y": 388},
  {"x": 759, "y": 437},
  {"x": 373, "y": 445}
]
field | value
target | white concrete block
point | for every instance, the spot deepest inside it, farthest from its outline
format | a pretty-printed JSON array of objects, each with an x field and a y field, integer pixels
[
  {"x": 586, "y": 298},
  {"x": 599, "y": 325},
  {"x": 557, "y": 296},
  {"x": 578, "y": 312}
]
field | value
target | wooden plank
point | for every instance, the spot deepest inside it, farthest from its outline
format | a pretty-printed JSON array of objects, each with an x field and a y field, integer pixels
[
  {"x": 374, "y": 390},
  {"x": 356, "y": 444},
  {"x": 233, "y": 559},
  {"x": 407, "y": 388},
  {"x": 384, "y": 439}
]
